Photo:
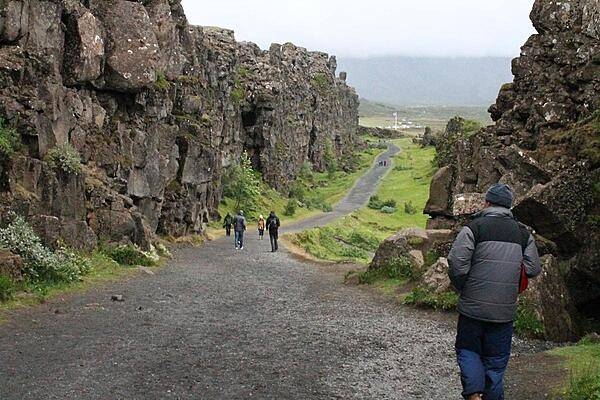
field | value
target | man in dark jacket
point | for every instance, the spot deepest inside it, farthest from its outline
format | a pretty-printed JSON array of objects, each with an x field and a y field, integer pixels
[
  {"x": 239, "y": 226},
  {"x": 485, "y": 267},
  {"x": 227, "y": 224},
  {"x": 273, "y": 227}
]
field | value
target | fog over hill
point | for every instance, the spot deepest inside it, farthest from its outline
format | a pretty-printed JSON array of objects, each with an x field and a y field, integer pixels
[{"x": 428, "y": 80}]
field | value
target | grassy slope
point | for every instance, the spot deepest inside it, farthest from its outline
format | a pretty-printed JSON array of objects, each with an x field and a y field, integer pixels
[{"x": 357, "y": 236}]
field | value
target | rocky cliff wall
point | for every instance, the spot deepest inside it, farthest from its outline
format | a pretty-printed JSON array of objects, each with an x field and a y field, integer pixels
[
  {"x": 546, "y": 144},
  {"x": 157, "y": 109}
]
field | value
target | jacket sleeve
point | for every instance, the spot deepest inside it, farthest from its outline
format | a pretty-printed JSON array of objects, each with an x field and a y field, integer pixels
[
  {"x": 459, "y": 258},
  {"x": 531, "y": 259}
]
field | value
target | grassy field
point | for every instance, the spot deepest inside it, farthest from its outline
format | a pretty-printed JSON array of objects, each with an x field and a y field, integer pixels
[
  {"x": 436, "y": 117},
  {"x": 583, "y": 362},
  {"x": 355, "y": 237}
]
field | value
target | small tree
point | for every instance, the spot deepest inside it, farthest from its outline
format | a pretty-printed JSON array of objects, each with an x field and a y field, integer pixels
[{"x": 242, "y": 183}]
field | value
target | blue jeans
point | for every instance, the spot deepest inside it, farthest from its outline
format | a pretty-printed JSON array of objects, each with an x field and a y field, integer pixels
[
  {"x": 239, "y": 238},
  {"x": 482, "y": 352}
]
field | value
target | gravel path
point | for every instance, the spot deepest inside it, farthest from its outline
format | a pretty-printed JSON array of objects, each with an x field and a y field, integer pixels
[
  {"x": 357, "y": 197},
  {"x": 217, "y": 323}
]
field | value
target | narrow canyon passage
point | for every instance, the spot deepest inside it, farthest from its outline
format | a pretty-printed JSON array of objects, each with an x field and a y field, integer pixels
[{"x": 218, "y": 323}]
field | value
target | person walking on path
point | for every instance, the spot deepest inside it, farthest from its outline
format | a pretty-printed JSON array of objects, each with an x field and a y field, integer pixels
[
  {"x": 261, "y": 227},
  {"x": 239, "y": 226},
  {"x": 486, "y": 261},
  {"x": 227, "y": 221},
  {"x": 273, "y": 224}
]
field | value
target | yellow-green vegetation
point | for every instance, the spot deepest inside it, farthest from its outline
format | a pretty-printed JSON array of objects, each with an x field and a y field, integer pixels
[
  {"x": 406, "y": 184},
  {"x": 10, "y": 140},
  {"x": 583, "y": 362}
]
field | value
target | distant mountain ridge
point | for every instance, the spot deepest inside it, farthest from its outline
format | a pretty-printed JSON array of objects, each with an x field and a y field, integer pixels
[{"x": 428, "y": 80}]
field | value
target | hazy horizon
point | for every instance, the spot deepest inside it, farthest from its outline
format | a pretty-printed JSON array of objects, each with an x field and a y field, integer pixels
[{"x": 427, "y": 28}]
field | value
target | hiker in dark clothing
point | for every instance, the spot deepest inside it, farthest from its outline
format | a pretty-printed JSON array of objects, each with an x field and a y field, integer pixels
[
  {"x": 227, "y": 222},
  {"x": 239, "y": 226},
  {"x": 486, "y": 261},
  {"x": 273, "y": 224}
]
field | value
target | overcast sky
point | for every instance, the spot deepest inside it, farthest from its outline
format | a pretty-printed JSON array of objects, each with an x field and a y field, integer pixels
[{"x": 375, "y": 27}]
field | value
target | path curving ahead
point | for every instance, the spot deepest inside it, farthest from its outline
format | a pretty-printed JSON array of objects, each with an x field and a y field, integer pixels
[
  {"x": 217, "y": 323},
  {"x": 357, "y": 197}
]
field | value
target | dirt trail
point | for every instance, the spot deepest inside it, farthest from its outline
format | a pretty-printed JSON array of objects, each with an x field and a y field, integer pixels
[{"x": 217, "y": 323}]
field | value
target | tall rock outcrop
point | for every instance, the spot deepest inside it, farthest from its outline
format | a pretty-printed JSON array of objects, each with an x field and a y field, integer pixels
[
  {"x": 546, "y": 145},
  {"x": 158, "y": 109}
]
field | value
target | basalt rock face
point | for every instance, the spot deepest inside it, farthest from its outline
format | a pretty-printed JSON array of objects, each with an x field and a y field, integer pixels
[
  {"x": 158, "y": 109},
  {"x": 545, "y": 145}
]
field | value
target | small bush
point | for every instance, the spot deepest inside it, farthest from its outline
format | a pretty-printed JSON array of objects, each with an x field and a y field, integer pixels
[
  {"x": 7, "y": 288},
  {"x": 320, "y": 81},
  {"x": 326, "y": 207},
  {"x": 396, "y": 268},
  {"x": 41, "y": 264},
  {"x": 375, "y": 203},
  {"x": 527, "y": 323},
  {"x": 161, "y": 82},
  {"x": 10, "y": 140},
  {"x": 388, "y": 210},
  {"x": 66, "y": 158},
  {"x": 132, "y": 255},
  {"x": 290, "y": 207},
  {"x": 423, "y": 297},
  {"x": 409, "y": 208}
]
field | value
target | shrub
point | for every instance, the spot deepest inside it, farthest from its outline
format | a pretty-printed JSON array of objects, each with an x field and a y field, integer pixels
[
  {"x": 527, "y": 322},
  {"x": 290, "y": 207},
  {"x": 423, "y": 297},
  {"x": 375, "y": 203},
  {"x": 409, "y": 208},
  {"x": 242, "y": 184},
  {"x": 320, "y": 81},
  {"x": 64, "y": 157},
  {"x": 388, "y": 210},
  {"x": 10, "y": 140},
  {"x": 396, "y": 268},
  {"x": 7, "y": 288},
  {"x": 161, "y": 82},
  {"x": 40, "y": 262},
  {"x": 132, "y": 255},
  {"x": 389, "y": 203}
]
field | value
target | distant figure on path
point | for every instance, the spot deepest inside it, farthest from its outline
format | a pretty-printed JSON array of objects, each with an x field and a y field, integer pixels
[
  {"x": 261, "y": 227},
  {"x": 273, "y": 224},
  {"x": 227, "y": 221},
  {"x": 485, "y": 261},
  {"x": 239, "y": 226}
]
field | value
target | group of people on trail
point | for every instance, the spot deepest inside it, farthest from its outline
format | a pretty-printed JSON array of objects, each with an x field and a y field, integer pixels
[
  {"x": 271, "y": 224},
  {"x": 382, "y": 163},
  {"x": 490, "y": 262}
]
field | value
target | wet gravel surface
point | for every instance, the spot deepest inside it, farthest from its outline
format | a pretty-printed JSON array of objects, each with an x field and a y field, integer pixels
[
  {"x": 219, "y": 323},
  {"x": 224, "y": 324}
]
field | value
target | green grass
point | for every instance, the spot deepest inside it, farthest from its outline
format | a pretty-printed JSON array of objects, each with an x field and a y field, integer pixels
[
  {"x": 407, "y": 184},
  {"x": 583, "y": 362}
]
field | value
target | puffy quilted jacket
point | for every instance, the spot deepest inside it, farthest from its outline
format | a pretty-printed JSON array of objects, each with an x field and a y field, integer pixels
[{"x": 485, "y": 265}]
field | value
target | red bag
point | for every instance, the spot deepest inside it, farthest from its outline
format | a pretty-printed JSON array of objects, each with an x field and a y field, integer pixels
[{"x": 524, "y": 280}]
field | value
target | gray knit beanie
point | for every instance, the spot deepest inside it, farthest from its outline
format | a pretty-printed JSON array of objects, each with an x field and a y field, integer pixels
[{"x": 500, "y": 195}]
